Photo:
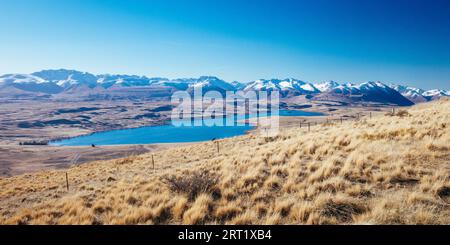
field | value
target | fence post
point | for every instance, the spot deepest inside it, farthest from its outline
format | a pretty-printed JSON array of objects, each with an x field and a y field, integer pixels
[
  {"x": 370, "y": 114},
  {"x": 153, "y": 163},
  {"x": 300, "y": 124},
  {"x": 67, "y": 181},
  {"x": 218, "y": 150},
  {"x": 309, "y": 127},
  {"x": 341, "y": 120},
  {"x": 393, "y": 110}
]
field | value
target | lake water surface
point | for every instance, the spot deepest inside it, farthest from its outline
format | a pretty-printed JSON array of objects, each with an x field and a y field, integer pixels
[{"x": 169, "y": 133}]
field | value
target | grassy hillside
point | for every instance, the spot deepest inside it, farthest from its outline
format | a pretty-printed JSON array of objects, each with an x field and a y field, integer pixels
[{"x": 392, "y": 169}]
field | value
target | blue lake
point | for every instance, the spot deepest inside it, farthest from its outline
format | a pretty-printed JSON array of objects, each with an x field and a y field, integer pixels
[{"x": 170, "y": 133}]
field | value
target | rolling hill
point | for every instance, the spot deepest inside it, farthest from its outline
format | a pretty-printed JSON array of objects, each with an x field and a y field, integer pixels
[{"x": 388, "y": 169}]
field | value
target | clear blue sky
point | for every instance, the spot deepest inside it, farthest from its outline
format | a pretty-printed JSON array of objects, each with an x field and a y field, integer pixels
[{"x": 402, "y": 41}]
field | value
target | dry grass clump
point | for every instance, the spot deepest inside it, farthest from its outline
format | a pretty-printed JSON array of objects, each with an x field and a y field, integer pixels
[
  {"x": 192, "y": 184},
  {"x": 383, "y": 170},
  {"x": 342, "y": 211},
  {"x": 399, "y": 113}
]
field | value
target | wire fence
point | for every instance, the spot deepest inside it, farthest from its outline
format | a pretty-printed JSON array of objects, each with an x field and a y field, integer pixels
[
  {"x": 218, "y": 147},
  {"x": 333, "y": 120}
]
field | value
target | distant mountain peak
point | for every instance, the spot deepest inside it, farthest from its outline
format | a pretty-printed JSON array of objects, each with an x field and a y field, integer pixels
[
  {"x": 284, "y": 85},
  {"x": 68, "y": 78},
  {"x": 77, "y": 82},
  {"x": 208, "y": 78},
  {"x": 21, "y": 78},
  {"x": 326, "y": 86}
]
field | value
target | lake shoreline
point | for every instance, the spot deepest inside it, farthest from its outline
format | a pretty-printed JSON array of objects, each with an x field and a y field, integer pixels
[{"x": 242, "y": 125}]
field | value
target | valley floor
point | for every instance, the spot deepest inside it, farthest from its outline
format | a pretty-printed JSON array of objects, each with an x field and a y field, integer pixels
[
  {"x": 36, "y": 121},
  {"x": 388, "y": 169}
]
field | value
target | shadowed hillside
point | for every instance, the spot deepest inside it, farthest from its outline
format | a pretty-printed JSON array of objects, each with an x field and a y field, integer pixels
[{"x": 391, "y": 169}]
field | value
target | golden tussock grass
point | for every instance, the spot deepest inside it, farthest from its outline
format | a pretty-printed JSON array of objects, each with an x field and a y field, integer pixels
[{"x": 391, "y": 169}]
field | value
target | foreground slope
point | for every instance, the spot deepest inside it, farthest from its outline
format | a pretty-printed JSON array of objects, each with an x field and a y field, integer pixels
[{"x": 391, "y": 169}]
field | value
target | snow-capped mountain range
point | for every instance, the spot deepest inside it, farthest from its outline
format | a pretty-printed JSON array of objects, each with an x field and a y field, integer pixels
[
  {"x": 56, "y": 82},
  {"x": 282, "y": 85}
]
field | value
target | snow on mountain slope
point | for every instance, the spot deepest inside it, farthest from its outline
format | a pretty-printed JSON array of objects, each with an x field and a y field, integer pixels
[
  {"x": 238, "y": 85},
  {"x": 206, "y": 83},
  {"x": 309, "y": 87},
  {"x": 21, "y": 78},
  {"x": 76, "y": 82},
  {"x": 212, "y": 82},
  {"x": 368, "y": 86},
  {"x": 67, "y": 78},
  {"x": 326, "y": 86},
  {"x": 29, "y": 83},
  {"x": 107, "y": 80},
  {"x": 435, "y": 92},
  {"x": 209, "y": 83},
  {"x": 345, "y": 89},
  {"x": 411, "y": 93},
  {"x": 261, "y": 85},
  {"x": 371, "y": 91},
  {"x": 285, "y": 85}
]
